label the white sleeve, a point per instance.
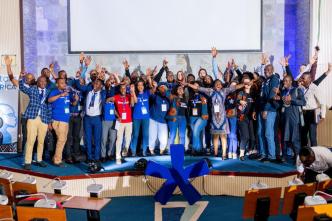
(326, 154)
(299, 165)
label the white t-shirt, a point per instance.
(323, 160)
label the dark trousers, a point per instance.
(93, 128)
(72, 147)
(24, 132)
(310, 126)
(277, 125)
(246, 132)
(310, 175)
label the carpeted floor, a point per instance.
(16, 161)
(142, 209)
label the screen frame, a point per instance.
(70, 51)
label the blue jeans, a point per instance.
(145, 135)
(93, 126)
(265, 134)
(180, 124)
(197, 126)
(232, 136)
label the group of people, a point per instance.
(231, 113)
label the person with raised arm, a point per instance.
(123, 103)
(314, 111)
(141, 115)
(245, 106)
(94, 100)
(38, 114)
(219, 124)
(29, 80)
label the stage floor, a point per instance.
(14, 162)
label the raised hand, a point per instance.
(98, 68)
(8, 60)
(214, 52)
(82, 57)
(148, 72)
(88, 60)
(165, 63)
(125, 64)
(283, 62)
(287, 59)
(264, 59)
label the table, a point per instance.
(92, 205)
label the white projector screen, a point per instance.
(122, 26)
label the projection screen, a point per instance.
(129, 26)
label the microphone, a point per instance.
(316, 199)
(42, 203)
(94, 189)
(6, 175)
(57, 186)
(259, 185)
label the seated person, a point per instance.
(313, 161)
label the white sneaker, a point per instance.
(124, 152)
(230, 155)
(118, 161)
(234, 156)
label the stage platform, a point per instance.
(227, 177)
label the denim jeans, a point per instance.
(179, 125)
(197, 126)
(265, 134)
(145, 135)
(232, 136)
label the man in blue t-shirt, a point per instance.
(60, 102)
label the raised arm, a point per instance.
(323, 76)
(8, 62)
(215, 68)
(23, 88)
(126, 67)
(158, 76)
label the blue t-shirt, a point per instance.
(60, 107)
(159, 108)
(109, 111)
(141, 108)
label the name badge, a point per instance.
(216, 108)
(111, 112)
(195, 112)
(124, 116)
(163, 107)
(79, 107)
(66, 110)
(184, 105)
(144, 110)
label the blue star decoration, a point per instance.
(177, 175)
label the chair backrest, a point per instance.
(29, 213)
(6, 212)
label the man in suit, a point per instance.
(38, 114)
(95, 98)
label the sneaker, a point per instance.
(230, 155)
(41, 164)
(118, 161)
(242, 158)
(27, 166)
(263, 159)
(124, 152)
(234, 156)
